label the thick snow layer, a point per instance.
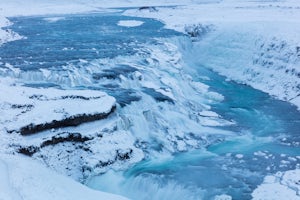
(130, 23)
(24, 109)
(265, 62)
(283, 185)
(35, 7)
(75, 151)
(23, 178)
(235, 11)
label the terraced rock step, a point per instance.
(74, 120)
(60, 138)
(30, 110)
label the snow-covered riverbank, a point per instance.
(255, 43)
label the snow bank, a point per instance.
(23, 178)
(283, 185)
(220, 12)
(33, 7)
(259, 59)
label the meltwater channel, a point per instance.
(265, 133)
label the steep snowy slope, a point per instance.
(23, 178)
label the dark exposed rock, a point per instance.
(61, 138)
(298, 51)
(28, 151)
(69, 121)
(65, 137)
(44, 98)
(38, 97)
(21, 106)
(198, 30)
(79, 97)
(120, 155)
(104, 164)
(25, 107)
(149, 8)
(123, 155)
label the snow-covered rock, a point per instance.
(30, 110)
(50, 125)
(7, 35)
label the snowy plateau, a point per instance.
(117, 99)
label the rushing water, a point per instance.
(266, 131)
(267, 142)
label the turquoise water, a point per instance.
(266, 130)
(267, 135)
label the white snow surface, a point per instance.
(37, 7)
(130, 23)
(282, 185)
(24, 178)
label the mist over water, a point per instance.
(152, 72)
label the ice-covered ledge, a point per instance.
(30, 110)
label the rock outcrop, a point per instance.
(31, 110)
